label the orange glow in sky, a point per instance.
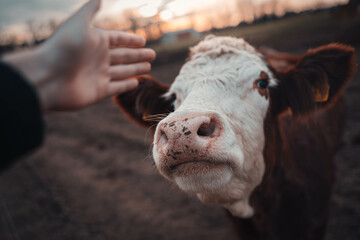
(181, 7)
(206, 14)
(170, 15)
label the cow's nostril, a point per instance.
(207, 129)
(163, 138)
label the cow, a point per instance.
(252, 138)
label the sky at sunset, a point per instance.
(15, 15)
(19, 11)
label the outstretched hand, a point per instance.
(80, 65)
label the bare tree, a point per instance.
(53, 25)
(132, 17)
(34, 28)
(274, 6)
(352, 7)
(246, 9)
(225, 16)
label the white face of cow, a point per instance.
(212, 144)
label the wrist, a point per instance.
(34, 64)
(31, 63)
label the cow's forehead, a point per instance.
(230, 61)
(216, 46)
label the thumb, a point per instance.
(88, 11)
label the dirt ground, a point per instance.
(94, 177)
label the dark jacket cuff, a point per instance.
(21, 122)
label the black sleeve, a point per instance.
(21, 122)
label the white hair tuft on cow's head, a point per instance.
(216, 46)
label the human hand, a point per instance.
(80, 65)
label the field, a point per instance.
(94, 177)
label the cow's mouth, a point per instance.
(194, 167)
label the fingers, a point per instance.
(131, 55)
(87, 12)
(125, 71)
(118, 38)
(118, 87)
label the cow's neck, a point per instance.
(264, 196)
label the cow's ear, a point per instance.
(318, 79)
(145, 105)
(280, 61)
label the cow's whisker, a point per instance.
(155, 117)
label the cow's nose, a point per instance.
(188, 134)
(207, 129)
(173, 128)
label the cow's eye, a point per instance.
(262, 84)
(172, 101)
(172, 97)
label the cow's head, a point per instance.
(210, 139)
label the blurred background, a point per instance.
(94, 177)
